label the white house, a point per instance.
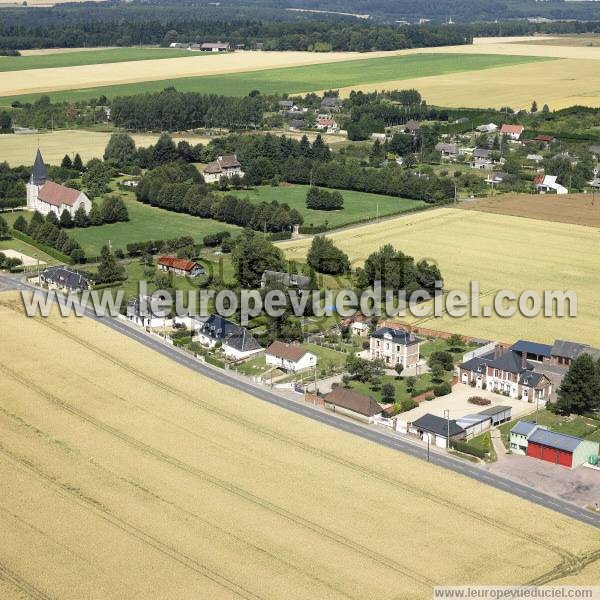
(45, 196)
(224, 166)
(395, 346)
(547, 184)
(139, 312)
(290, 357)
(236, 341)
(512, 132)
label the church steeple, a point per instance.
(39, 173)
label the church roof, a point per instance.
(55, 194)
(39, 173)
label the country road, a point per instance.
(382, 437)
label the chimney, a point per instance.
(524, 360)
(497, 351)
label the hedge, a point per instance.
(466, 449)
(47, 249)
(280, 235)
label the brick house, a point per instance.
(508, 373)
(395, 346)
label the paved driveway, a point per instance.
(580, 486)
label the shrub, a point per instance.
(442, 389)
(408, 404)
(479, 401)
(464, 447)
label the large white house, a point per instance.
(224, 166)
(45, 196)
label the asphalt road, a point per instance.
(373, 434)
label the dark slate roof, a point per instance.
(437, 425)
(523, 428)
(532, 348)
(39, 173)
(230, 334)
(354, 401)
(511, 362)
(566, 349)
(64, 277)
(399, 336)
(331, 101)
(495, 410)
(482, 153)
(552, 439)
(531, 378)
(478, 364)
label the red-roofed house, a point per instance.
(290, 357)
(327, 123)
(45, 196)
(180, 266)
(512, 131)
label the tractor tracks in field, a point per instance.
(67, 491)
(224, 485)
(21, 584)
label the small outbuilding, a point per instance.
(498, 414)
(353, 404)
(474, 424)
(436, 430)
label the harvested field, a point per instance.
(133, 477)
(499, 251)
(578, 40)
(19, 149)
(239, 73)
(576, 209)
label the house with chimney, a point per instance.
(394, 346)
(236, 341)
(506, 372)
(45, 196)
(225, 166)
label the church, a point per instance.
(45, 196)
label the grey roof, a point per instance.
(523, 428)
(482, 153)
(286, 103)
(437, 425)
(399, 336)
(495, 410)
(474, 419)
(566, 349)
(331, 101)
(286, 279)
(412, 125)
(230, 334)
(552, 439)
(447, 148)
(532, 348)
(531, 378)
(298, 123)
(511, 362)
(39, 173)
(478, 364)
(65, 278)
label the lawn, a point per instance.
(146, 223)
(497, 251)
(300, 79)
(358, 206)
(74, 59)
(24, 248)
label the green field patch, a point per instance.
(301, 79)
(358, 206)
(89, 57)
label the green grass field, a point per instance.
(357, 205)
(88, 57)
(301, 79)
(25, 248)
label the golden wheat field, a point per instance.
(19, 149)
(128, 476)
(501, 252)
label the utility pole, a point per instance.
(428, 438)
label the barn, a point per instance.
(558, 448)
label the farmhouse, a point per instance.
(509, 373)
(63, 279)
(539, 442)
(449, 151)
(327, 123)
(288, 280)
(224, 166)
(512, 131)
(237, 342)
(547, 183)
(482, 159)
(353, 404)
(45, 196)
(290, 357)
(395, 346)
(180, 266)
(331, 104)
(436, 430)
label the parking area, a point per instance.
(580, 486)
(458, 404)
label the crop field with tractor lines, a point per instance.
(120, 452)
